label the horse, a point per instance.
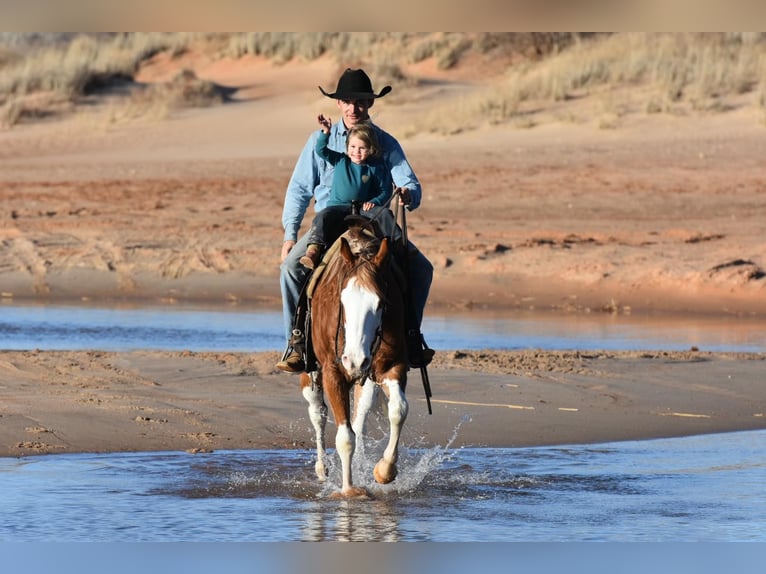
(358, 339)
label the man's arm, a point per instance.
(401, 172)
(300, 190)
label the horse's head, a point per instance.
(362, 297)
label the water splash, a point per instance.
(416, 464)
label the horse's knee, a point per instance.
(397, 413)
(345, 441)
(364, 399)
(317, 408)
(398, 407)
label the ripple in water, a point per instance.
(705, 488)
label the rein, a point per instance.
(401, 218)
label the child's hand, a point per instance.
(368, 205)
(324, 123)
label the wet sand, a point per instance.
(63, 402)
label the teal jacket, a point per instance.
(353, 182)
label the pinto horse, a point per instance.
(357, 316)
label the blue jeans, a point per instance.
(293, 275)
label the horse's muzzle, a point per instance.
(355, 367)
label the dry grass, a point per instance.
(159, 101)
(672, 72)
(627, 73)
(84, 64)
(760, 99)
(70, 70)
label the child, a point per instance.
(359, 176)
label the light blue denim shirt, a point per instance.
(312, 176)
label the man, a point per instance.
(312, 178)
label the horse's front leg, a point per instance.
(364, 399)
(312, 392)
(385, 470)
(338, 394)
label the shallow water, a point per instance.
(703, 488)
(48, 327)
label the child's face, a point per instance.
(358, 151)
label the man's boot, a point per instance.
(419, 354)
(292, 361)
(312, 257)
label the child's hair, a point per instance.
(365, 132)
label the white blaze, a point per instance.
(362, 314)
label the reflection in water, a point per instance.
(705, 488)
(351, 521)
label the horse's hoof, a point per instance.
(355, 493)
(384, 472)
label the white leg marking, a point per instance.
(344, 444)
(318, 416)
(364, 401)
(397, 414)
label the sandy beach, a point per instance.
(63, 402)
(662, 214)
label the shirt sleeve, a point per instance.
(332, 156)
(402, 174)
(300, 190)
(384, 186)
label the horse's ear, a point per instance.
(382, 252)
(345, 251)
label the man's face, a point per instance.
(354, 111)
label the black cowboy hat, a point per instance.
(355, 85)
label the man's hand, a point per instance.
(404, 195)
(287, 246)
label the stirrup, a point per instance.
(420, 349)
(293, 363)
(292, 359)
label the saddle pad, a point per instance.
(319, 269)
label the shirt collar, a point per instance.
(341, 129)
